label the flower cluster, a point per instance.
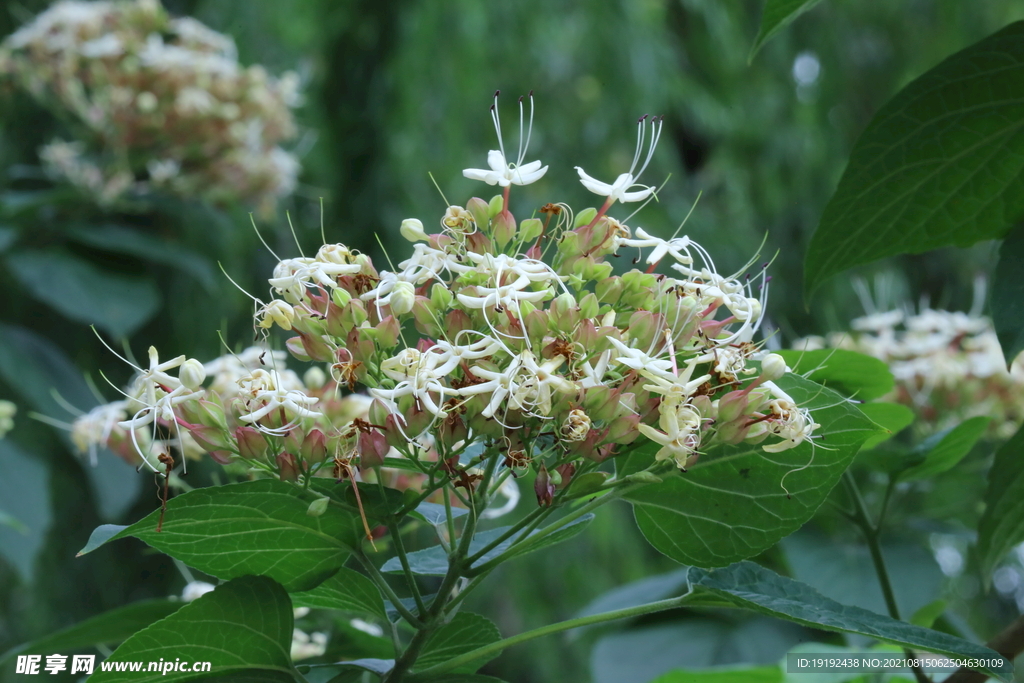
(517, 335)
(162, 103)
(948, 365)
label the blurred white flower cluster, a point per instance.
(948, 365)
(157, 104)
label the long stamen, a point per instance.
(639, 142)
(529, 131)
(656, 125)
(497, 123)
(522, 152)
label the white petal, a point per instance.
(593, 184)
(636, 196)
(489, 177)
(523, 176)
(496, 160)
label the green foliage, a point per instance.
(738, 501)
(777, 15)
(941, 452)
(1002, 525)
(253, 527)
(891, 417)
(109, 628)
(940, 164)
(464, 633)
(756, 588)
(243, 628)
(1008, 295)
(847, 372)
(760, 674)
(348, 591)
(434, 561)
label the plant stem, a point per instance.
(493, 648)
(389, 592)
(872, 531)
(400, 549)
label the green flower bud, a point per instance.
(412, 230)
(314, 378)
(318, 506)
(403, 294)
(584, 217)
(530, 229)
(440, 297)
(609, 290)
(340, 297)
(503, 227)
(496, 205)
(773, 366)
(192, 374)
(480, 210)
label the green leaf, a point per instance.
(455, 678)
(8, 236)
(757, 674)
(737, 501)
(942, 451)
(25, 492)
(646, 590)
(243, 628)
(433, 561)
(1008, 295)
(777, 15)
(756, 588)
(892, 418)
(927, 615)
(348, 591)
(123, 240)
(253, 527)
(36, 367)
(109, 628)
(1002, 524)
(464, 633)
(939, 165)
(848, 373)
(435, 514)
(117, 304)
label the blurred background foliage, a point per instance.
(393, 90)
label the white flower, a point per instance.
(619, 191)
(266, 394)
(501, 171)
(680, 431)
(309, 645)
(196, 589)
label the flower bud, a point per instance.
(609, 290)
(388, 332)
(456, 321)
(316, 348)
(286, 467)
(530, 229)
(503, 227)
(732, 406)
(298, 351)
(543, 487)
(314, 447)
(412, 230)
(773, 366)
(210, 438)
(584, 217)
(251, 444)
(480, 210)
(192, 374)
(623, 429)
(314, 378)
(279, 312)
(601, 402)
(318, 507)
(564, 314)
(211, 414)
(495, 206)
(589, 306)
(642, 327)
(340, 297)
(373, 447)
(403, 294)
(427, 320)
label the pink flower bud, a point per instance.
(373, 447)
(316, 348)
(732, 405)
(251, 444)
(286, 467)
(388, 331)
(543, 487)
(503, 227)
(622, 430)
(210, 438)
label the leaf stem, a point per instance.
(498, 646)
(388, 591)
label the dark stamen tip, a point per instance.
(531, 94)
(521, 98)
(497, 92)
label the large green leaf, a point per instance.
(777, 15)
(751, 586)
(37, 368)
(243, 629)
(464, 633)
(1002, 524)
(123, 240)
(433, 561)
(847, 372)
(118, 304)
(940, 164)
(1008, 295)
(25, 496)
(944, 450)
(758, 674)
(736, 501)
(253, 527)
(109, 628)
(891, 417)
(348, 591)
